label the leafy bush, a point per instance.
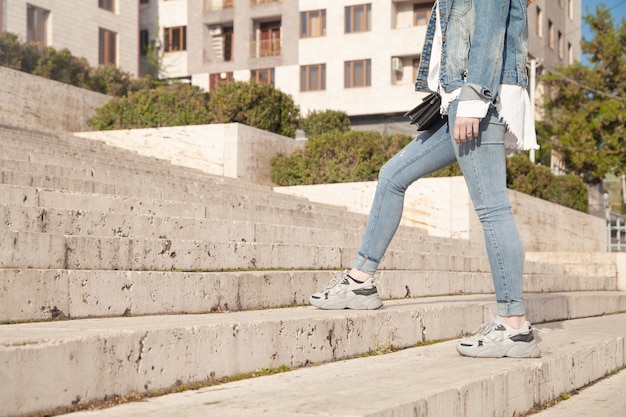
(318, 122)
(62, 66)
(255, 104)
(337, 156)
(537, 181)
(175, 105)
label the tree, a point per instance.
(586, 105)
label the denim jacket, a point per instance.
(485, 44)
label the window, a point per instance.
(570, 8)
(313, 77)
(144, 1)
(144, 41)
(269, 39)
(416, 64)
(227, 43)
(359, 18)
(550, 34)
(313, 24)
(539, 23)
(37, 24)
(570, 54)
(265, 76)
(560, 45)
(107, 47)
(107, 5)
(175, 39)
(421, 13)
(217, 78)
(357, 73)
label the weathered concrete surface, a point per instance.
(442, 207)
(431, 381)
(232, 150)
(94, 358)
(42, 294)
(603, 399)
(28, 100)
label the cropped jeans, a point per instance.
(483, 163)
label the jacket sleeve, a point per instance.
(485, 56)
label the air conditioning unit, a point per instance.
(215, 31)
(396, 64)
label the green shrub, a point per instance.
(337, 156)
(537, 181)
(255, 104)
(174, 105)
(318, 122)
(62, 66)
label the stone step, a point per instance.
(421, 381)
(55, 251)
(114, 224)
(94, 359)
(294, 212)
(48, 294)
(79, 293)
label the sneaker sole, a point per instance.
(372, 302)
(517, 350)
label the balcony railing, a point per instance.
(267, 47)
(264, 1)
(616, 232)
(218, 4)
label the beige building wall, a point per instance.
(393, 45)
(75, 24)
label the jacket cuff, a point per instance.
(471, 91)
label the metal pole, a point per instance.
(533, 84)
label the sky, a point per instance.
(617, 8)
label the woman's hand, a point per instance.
(465, 129)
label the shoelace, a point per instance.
(344, 277)
(486, 328)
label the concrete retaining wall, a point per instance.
(39, 103)
(230, 150)
(442, 207)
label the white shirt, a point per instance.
(514, 108)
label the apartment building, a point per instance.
(358, 56)
(352, 55)
(555, 32)
(102, 31)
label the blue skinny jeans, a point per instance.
(483, 163)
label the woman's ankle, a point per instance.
(359, 275)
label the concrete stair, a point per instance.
(125, 274)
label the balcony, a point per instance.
(265, 47)
(218, 4)
(253, 2)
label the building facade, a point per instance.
(350, 55)
(102, 31)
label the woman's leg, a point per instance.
(483, 162)
(427, 153)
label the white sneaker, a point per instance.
(498, 340)
(344, 292)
